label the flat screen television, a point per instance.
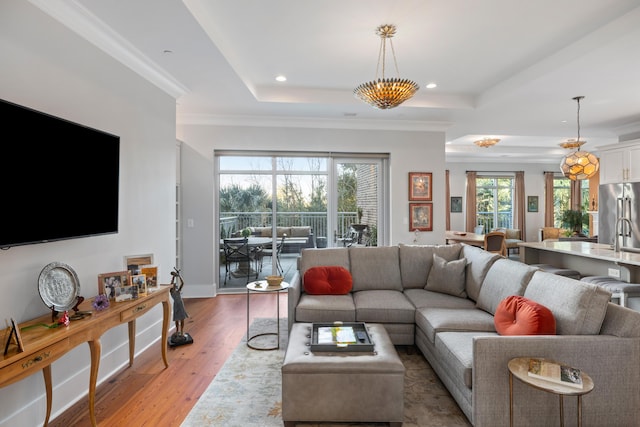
(60, 179)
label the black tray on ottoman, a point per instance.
(340, 336)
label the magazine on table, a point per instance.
(336, 335)
(555, 372)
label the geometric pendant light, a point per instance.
(578, 164)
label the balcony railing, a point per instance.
(486, 219)
(231, 222)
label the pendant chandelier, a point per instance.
(578, 164)
(385, 93)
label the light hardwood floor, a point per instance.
(149, 395)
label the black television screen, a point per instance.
(60, 178)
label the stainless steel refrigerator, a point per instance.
(619, 201)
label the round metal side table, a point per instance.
(261, 286)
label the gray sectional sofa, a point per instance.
(448, 315)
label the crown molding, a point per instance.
(78, 19)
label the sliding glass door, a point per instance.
(287, 202)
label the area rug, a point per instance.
(247, 392)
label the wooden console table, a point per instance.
(43, 346)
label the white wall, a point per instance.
(409, 151)
(46, 67)
(533, 184)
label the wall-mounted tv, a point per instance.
(60, 179)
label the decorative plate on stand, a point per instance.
(58, 286)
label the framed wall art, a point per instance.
(134, 262)
(421, 216)
(456, 204)
(109, 282)
(420, 186)
(532, 203)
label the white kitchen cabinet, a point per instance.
(620, 163)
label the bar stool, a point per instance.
(567, 272)
(619, 289)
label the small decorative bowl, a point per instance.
(274, 281)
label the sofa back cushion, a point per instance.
(327, 280)
(303, 231)
(375, 268)
(578, 307)
(323, 257)
(479, 262)
(416, 262)
(281, 231)
(504, 278)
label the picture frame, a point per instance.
(139, 280)
(14, 337)
(532, 203)
(134, 262)
(109, 282)
(151, 274)
(126, 293)
(421, 216)
(420, 185)
(456, 204)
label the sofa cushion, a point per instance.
(416, 262)
(304, 231)
(383, 306)
(435, 320)
(327, 280)
(312, 257)
(518, 315)
(505, 277)
(447, 276)
(578, 307)
(281, 231)
(422, 298)
(455, 352)
(479, 262)
(375, 268)
(325, 308)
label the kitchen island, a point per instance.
(590, 259)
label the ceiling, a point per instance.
(504, 68)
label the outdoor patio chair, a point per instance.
(268, 251)
(237, 251)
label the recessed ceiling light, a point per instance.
(431, 85)
(281, 78)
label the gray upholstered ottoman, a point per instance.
(342, 387)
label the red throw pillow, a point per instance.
(327, 280)
(518, 315)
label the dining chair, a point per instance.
(268, 251)
(237, 251)
(495, 242)
(478, 229)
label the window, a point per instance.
(561, 198)
(494, 201)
